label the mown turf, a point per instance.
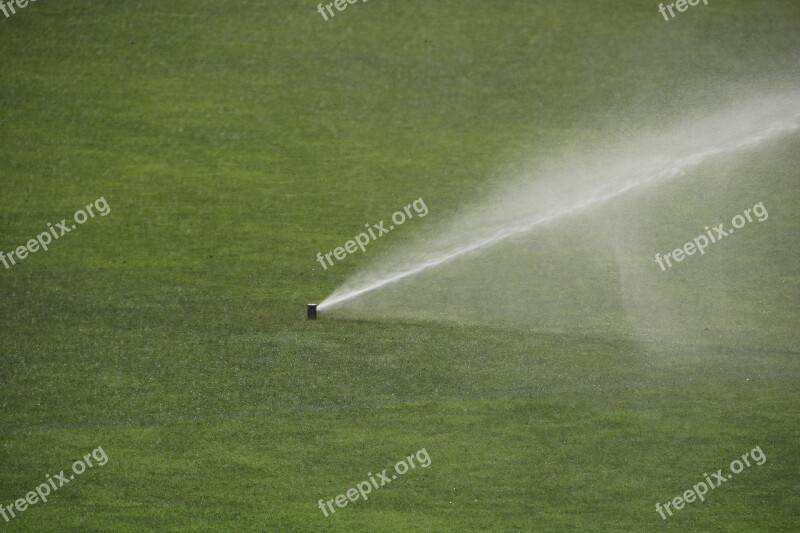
(234, 140)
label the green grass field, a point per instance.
(234, 140)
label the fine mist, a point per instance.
(570, 238)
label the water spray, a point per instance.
(743, 128)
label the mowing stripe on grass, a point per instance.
(488, 395)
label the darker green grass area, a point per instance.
(503, 463)
(233, 141)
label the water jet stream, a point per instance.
(759, 127)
